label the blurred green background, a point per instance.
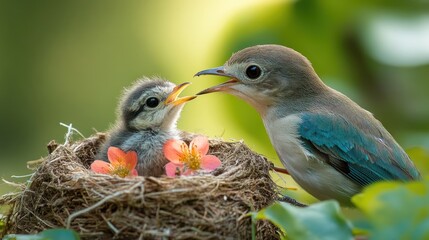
(68, 61)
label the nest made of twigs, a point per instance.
(64, 193)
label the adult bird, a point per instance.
(147, 116)
(330, 146)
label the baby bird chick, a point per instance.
(147, 117)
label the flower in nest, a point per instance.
(184, 159)
(121, 164)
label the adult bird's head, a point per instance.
(152, 104)
(264, 75)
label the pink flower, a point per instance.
(121, 164)
(185, 160)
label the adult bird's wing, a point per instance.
(363, 155)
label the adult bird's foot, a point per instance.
(291, 201)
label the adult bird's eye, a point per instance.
(152, 102)
(253, 72)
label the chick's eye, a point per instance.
(253, 72)
(152, 102)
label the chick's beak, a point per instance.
(172, 97)
(218, 71)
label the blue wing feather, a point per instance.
(363, 155)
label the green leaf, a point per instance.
(319, 221)
(396, 210)
(64, 234)
(50, 234)
(24, 237)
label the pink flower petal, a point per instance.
(99, 166)
(202, 144)
(134, 173)
(173, 150)
(171, 168)
(116, 155)
(131, 159)
(210, 162)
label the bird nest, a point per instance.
(64, 193)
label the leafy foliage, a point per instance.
(50, 234)
(319, 221)
(392, 210)
(396, 210)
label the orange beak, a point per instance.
(173, 99)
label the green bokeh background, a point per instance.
(68, 61)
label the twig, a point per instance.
(99, 203)
(41, 220)
(280, 170)
(22, 176)
(19, 185)
(280, 177)
(70, 130)
(111, 226)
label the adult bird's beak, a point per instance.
(218, 71)
(172, 97)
